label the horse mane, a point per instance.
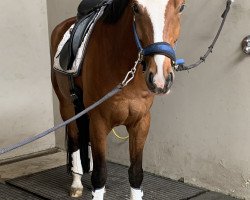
(114, 11)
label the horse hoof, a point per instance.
(76, 192)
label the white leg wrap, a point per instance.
(136, 194)
(91, 159)
(76, 163)
(98, 194)
(77, 183)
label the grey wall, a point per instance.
(58, 11)
(26, 105)
(201, 131)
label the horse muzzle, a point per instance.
(159, 86)
(155, 84)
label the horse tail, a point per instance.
(83, 135)
(83, 127)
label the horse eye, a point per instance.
(182, 8)
(136, 9)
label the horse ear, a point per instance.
(114, 11)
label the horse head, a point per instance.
(156, 29)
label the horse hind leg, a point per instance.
(82, 161)
(73, 150)
(76, 189)
(137, 137)
(67, 109)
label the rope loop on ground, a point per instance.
(118, 135)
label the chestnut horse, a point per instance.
(111, 53)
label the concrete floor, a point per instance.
(30, 166)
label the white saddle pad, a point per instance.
(77, 64)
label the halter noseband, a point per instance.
(161, 48)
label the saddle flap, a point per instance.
(66, 57)
(72, 48)
(79, 31)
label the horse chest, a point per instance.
(129, 110)
(137, 108)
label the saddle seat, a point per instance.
(87, 6)
(89, 11)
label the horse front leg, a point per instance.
(98, 137)
(137, 137)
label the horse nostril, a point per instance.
(171, 76)
(170, 79)
(151, 78)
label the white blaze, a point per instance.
(156, 10)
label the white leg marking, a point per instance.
(76, 189)
(77, 182)
(76, 163)
(136, 194)
(91, 159)
(98, 194)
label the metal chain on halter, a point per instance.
(131, 74)
(210, 48)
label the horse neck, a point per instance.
(121, 42)
(111, 54)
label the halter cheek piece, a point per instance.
(158, 48)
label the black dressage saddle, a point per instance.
(86, 15)
(88, 6)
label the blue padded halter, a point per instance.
(162, 48)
